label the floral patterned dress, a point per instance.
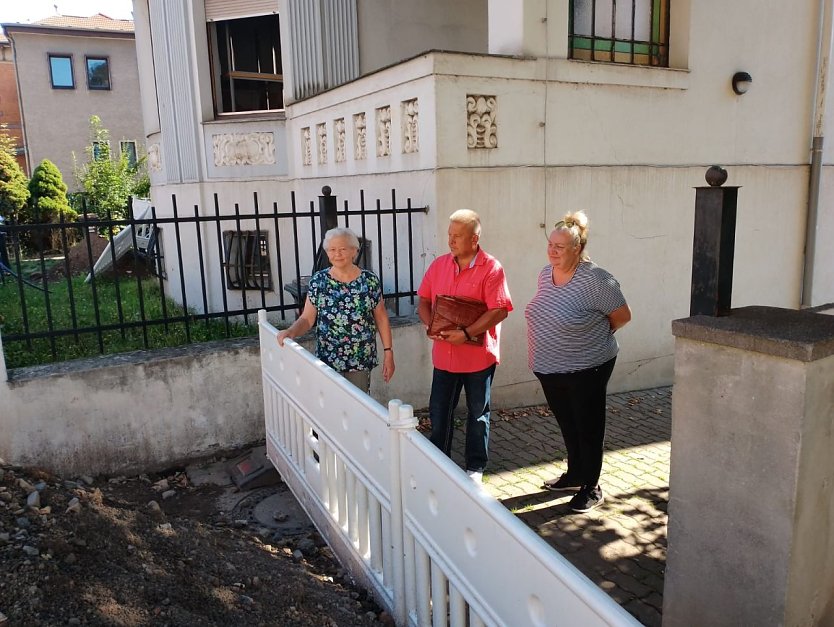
(345, 325)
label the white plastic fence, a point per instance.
(407, 522)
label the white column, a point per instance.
(529, 28)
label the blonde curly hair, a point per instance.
(576, 224)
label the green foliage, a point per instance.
(78, 301)
(107, 179)
(14, 190)
(48, 196)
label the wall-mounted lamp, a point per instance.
(741, 82)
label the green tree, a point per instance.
(108, 180)
(14, 190)
(48, 195)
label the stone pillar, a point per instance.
(751, 510)
(529, 28)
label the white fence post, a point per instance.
(400, 420)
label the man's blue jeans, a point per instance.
(445, 394)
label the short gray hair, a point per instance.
(341, 232)
(469, 218)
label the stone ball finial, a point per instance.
(716, 176)
(326, 191)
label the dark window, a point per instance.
(246, 59)
(628, 31)
(98, 73)
(128, 149)
(247, 260)
(60, 71)
(101, 150)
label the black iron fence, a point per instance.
(165, 276)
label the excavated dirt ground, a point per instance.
(160, 550)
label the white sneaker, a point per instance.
(476, 476)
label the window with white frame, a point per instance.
(634, 32)
(246, 64)
(128, 149)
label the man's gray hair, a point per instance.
(469, 218)
(349, 235)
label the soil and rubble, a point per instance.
(156, 550)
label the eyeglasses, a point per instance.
(341, 251)
(568, 224)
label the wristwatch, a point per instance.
(466, 333)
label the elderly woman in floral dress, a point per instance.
(345, 304)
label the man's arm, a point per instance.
(488, 319)
(424, 311)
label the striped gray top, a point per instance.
(567, 326)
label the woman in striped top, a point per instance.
(571, 349)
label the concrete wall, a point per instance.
(392, 30)
(119, 108)
(147, 410)
(751, 475)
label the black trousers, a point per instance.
(577, 399)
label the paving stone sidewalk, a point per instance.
(622, 545)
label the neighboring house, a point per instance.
(9, 105)
(533, 109)
(68, 69)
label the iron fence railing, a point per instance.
(185, 270)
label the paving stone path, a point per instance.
(622, 545)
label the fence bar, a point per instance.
(278, 260)
(139, 289)
(223, 287)
(46, 302)
(68, 272)
(379, 238)
(159, 273)
(182, 271)
(113, 261)
(93, 286)
(297, 261)
(241, 264)
(260, 256)
(198, 231)
(410, 253)
(396, 248)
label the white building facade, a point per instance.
(531, 110)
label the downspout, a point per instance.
(817, 141)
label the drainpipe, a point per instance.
(817, 141)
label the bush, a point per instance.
(14, 190)
(48, 196)
(108, 181)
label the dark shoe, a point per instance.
(561, 484)
(586, 500)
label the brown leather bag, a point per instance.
(454, 313)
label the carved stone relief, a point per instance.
(481, 129)
(306, 149)
(154, 158)
(383, 131)
(360, 150)
(411, 134)
(321, 142)
(243, 149)
(339, 130)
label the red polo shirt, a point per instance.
(484, 279)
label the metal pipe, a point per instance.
(818, 139)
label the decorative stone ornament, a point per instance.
(360, 150)
(243, 149)
(306, 148)
(383, 131)
(339, 129)
(154, 158)
(411, 134)
(321, 143)
(716, 176)
(481, 129)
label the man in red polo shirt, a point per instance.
(466, 271)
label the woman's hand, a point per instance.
(388, 366)
(283, 335)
